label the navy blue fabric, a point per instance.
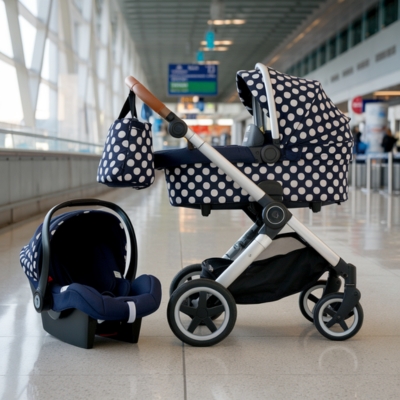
(145, 292)
(88, 250)
(174, 158)
(127, 159)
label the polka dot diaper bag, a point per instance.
(128, 159)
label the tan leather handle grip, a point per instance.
(147, 97)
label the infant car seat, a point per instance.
(81, 266)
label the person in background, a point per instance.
(359, 146)
(388, 140)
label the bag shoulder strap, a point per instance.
(130, 105)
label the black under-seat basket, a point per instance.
(289, 267)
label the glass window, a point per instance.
(390, 11)
(306, 68)
(372, 22)
(43, 103)
(28, 35)
(10, 105)
(357, 32)
(332, 48)
(343, 41)
(5, 41)
(322, 55)
(31, 5)
(313, 61)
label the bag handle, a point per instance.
(130, 105)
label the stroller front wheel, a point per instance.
(326, 310)
(192, 307)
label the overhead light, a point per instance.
(218, 42)
(387, 93)
(226, 22)
(209, 62)
(219, 48)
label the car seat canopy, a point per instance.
(87, 247)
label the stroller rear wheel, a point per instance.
(309, 297)
(192, 307)
(186, 274)
(326, 309)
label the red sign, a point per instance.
(357, 105)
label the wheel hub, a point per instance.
(202, 313)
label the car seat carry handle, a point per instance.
(40, 297)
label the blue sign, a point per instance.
(192, 79)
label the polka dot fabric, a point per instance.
(315, 140)
(31, 254)
(305, 114)
(128, 159)
(313, 181)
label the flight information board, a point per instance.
(192, 79)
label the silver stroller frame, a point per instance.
(329, 311)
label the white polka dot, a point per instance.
(121, 157)
(128, 177)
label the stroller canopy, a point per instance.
(310, 125)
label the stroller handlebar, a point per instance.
(147, 97)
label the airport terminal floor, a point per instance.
(273, 352)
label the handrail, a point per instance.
(38, 136)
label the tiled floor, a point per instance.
(272, 353)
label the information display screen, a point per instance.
(192, 79)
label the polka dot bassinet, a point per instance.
(312, 136)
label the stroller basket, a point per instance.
(315, 144)
(271, 279)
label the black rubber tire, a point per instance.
(185, 275)
(326, 308)
(192, 320)
(307, 296)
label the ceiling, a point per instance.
(170, 31)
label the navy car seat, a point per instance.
(81, 266)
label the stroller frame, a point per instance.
(274, 217)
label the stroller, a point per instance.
(301, 162)
(81, 267)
